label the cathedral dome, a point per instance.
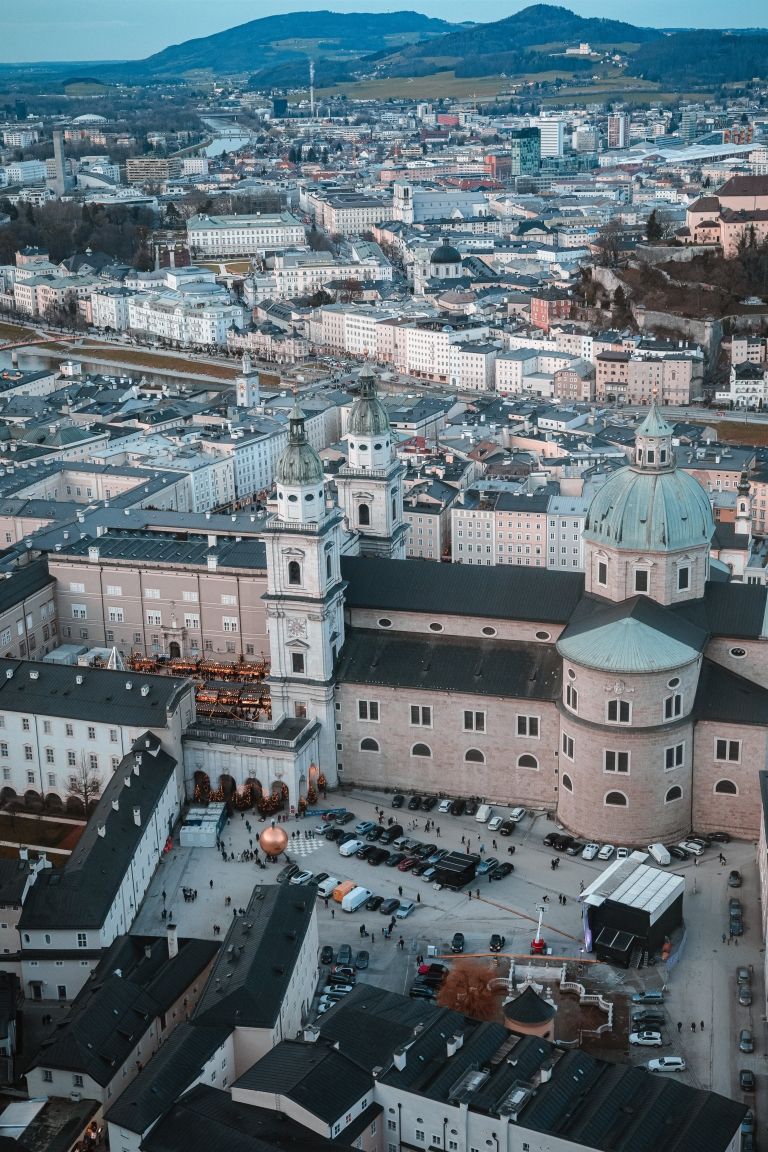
(367, 416)
(445, 254)
(299, 465)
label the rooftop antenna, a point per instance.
(312, 89)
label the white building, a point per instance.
(26, 172)
(20, 137)
(303, 273)
(185, 320)
(109, 308)
(552, 135)
(244, 235)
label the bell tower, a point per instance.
(370, 484)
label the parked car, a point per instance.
(678, 852)
(444, 806)
(422, 992)
(361, 960)
(487, 865)
(375, 834)
(378, 856)
(389, 906)
(746, 1080)
(398, 800)
(301, 877)
(736, 926)
(575, 849)
(458, 806)
(344, 955)
(326, 954)
(336, 988)
(395, 858)
(734, 879)
(507, 827)
(433, 970)
(694, 847)
(326, 1004)
(406, 864)
(745, 995)
(428, 803)
(346, 818)
(364, 826)
(517, 814)
(373, 903)
(667, 1064)
(420, 868)
(342, 974)
(606, 852)
(437, 856)
(648, 997)
(734, 906)
(495, 823)
(718, 837)
(424, 850)
(364, 851)
(470, 807)
(320, 876)
(457, 943)
(405, 909)
(622, 853)
(429, 875)
(414, 803)
(350, 847)
(647, 1018)
(646, 1039)
(286, 874)
(748, 1124)
(746, 1043)
(589, 851)
(549, 839)
(334, 833)
(562, 843)
(503, 870)
(497, 942)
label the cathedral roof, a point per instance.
(367, 416)
(643, 511)
(445, 254)
(637, 635)
(299, 465)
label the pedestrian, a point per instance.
(565, 901)
(326, 903)
(693, 1025)
(545, 898)
(735, 941)
(401, 944)
(163, 895)
(418, 897)
(373, 937)
(400, 890)
(724, 860)
(494, 843)
(679, 1027)
(701, 1026)
(724, 937)
(462, 839)
(469, 894)
(211, 883)
(477, 894)
(437, 831)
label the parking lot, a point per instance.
(702, 987)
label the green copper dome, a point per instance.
(367, 416)
(299, 465)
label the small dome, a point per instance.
(529, 1009)
(367, 416)
(650, 512)
(445, 254)
(299, 465)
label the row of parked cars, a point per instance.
(459, 807)
(663, 854)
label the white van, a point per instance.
(325, 889)
(660, 854)
(350, 848)
(355, 899)
(484, 814)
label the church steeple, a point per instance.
(653, 443)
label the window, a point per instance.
(191, 620)
(297, 661)
(152, 593)
(114, 590)
(228, 601)
(69, 729)
(674, 757)
(155, 619)
(738, 653)
(602, 573)
(568, 746)
(25, 724)
(369, 745)
(189, 597)
(474, 721)
(115, 615)
(567, 782)
(229, 623)
(391, 1126)
(674, 793)
(77, 1080)
(76, 587)
(616, 761)
(474, 756)
(363, 515)
(572, 697)
(79, 612)
(619, 712)
(683, 579)
(421, 717)
(673, 706)
(419, 1133)
(71, 759)
(47, 1076)
(113, 735)
(729, 750)
(617, 799)
(28, 752)
(49, 756)
(641, 580)
(294, 572)
(82, 940)
(93, 762)
(421, 750)
(528, 761)
(51, 779)
(435, 627)
(91, 732)
(368, 710)
(385, 623)
(528, 726)
(30, 777)
(4, 749)
(726, 788)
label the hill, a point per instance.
(261, 46)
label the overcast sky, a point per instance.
(125, 29)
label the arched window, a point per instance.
(618, 799)
(328, 569)
(394, 508)
(363, 515)
(673, 794)
(294, 572)
(421, 750)
(726, 788)
(474, 756)
(369, 745)
(527, 761)
(567, 782)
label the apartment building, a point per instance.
(152, 169)
(28, 626)
(348, 213)
(427, 512)
(500, 528)
(631, 378)
(302, 274)
(618, 130)
(184, 321)
(565, 546)
(244, 235)
(109, 308)
(157, 595)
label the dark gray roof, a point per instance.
(314, 1076)
(529, 1008)
(371, 1022)
(594, 612)
(176, 1065)
(724, 696)
(114, 1009)
(728, 609)
(500, 591)
(249, 980)
(155, 548)
(450, 664)
(80, 894)
(24, 582)
(207, 1119)
(100, 697)
(13, 879)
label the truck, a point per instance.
(456, 869)
(355, 899)
(341, 890)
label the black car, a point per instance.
(375, 834)
(470, 808)
(497, 942)
(287, 873)
(678, 853)
(374, 902)
(457, 944)
(563, 843)
(428, 803)
(458, 806)
(345, 837)
(425, 850)
(334, 833)
(398, 800)
(364, 852)
(549, 839)
(503, 870)
(344, 955)
(389, 907)
(646, 1018)
(361, 960)
(318, 879)
(343, 976)
(576, 848)
(326, 954)
(736, 926)
(414, 803)
(395, 858)
(420, 868)
(718, 838)
(507, 828)
(346, 818)
(747, 1080)
(420, 991)
(378, 856)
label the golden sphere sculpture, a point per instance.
(273, 840)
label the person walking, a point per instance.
(724, 937)
(693, 1025)
(401, 944)
(679, 1027)
(477, 894)
(211, 883)
(400, 890)
(701, 1026)
(418, 897)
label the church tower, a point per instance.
(370, 484)
(304, 597)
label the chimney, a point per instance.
(173, 941)
(116, 805)
(127, 781)
(137, 817)
(213, 563)
(101, 830)
(93, 554)
(454, 1043)
(545, 1073)
(148, 951)
(398, 1058)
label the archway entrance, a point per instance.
(174, 650)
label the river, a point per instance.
(231, 137)
(33, 361)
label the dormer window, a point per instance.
(651, 456)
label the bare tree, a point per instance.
(608, 243)
(466, 990)
(84, 784)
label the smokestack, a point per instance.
(59, 180)
(173, 941)
(312, 89)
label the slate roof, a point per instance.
(314, 1076)
(726, 609)
(636, 635)
(101, 697)
(260, 951)
(14, 875)
(723, 695)
(80, 894)
(112, 1012)
(207, 1118)
(500, 591)
(24, 582)
(169, 1073)
(450, 664)
(371, 1022)
(529, 1008)
(152, 547)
